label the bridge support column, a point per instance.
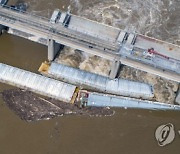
(2, 29)
(178, 96)
(53, 49)
(114, 69)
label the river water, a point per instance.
(128, 131)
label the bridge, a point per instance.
(120, 47)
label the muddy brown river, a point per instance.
(128, 131)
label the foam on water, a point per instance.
(157, 18)
(84, 61)
(152, 17)
(71, 57)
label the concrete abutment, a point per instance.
(3, 29)
(114, 69)
(178, 96)
(53, 49)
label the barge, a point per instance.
(72, 94)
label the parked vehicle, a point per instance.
(55, 16)
(3, 2)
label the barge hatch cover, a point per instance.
(37, 83)
(100, 83)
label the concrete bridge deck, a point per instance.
(97, 39)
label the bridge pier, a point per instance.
(178, 96)
(2, 29)
(114, 69)
(53, 49)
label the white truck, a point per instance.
(55, 16)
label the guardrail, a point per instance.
(43, 22)
(17, 18)
(24, 12)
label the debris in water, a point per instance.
(70, 57)
(96, 65)
(31, 107)
(164, 90)
(84, 61)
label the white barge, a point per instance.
(71, 94)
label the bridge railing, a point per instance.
(44, 24)
(24, 12)
(30, 21)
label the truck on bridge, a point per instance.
(3, 2)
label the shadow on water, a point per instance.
(21, 53)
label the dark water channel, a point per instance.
(128, 131)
